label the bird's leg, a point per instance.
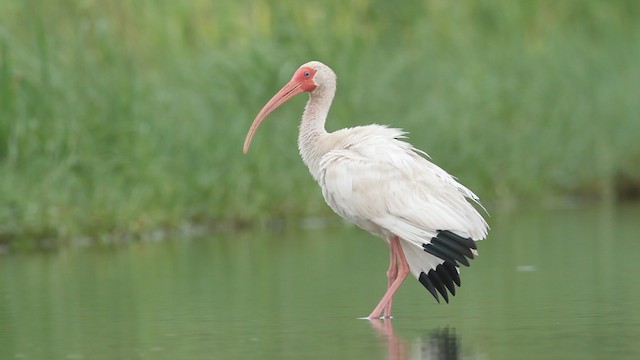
(403, 271)
(392, 274)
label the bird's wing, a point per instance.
(384, 179)
(387, 187)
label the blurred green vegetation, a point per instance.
(124, 117)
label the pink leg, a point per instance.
(392, 274)
(402, 272)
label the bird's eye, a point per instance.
(307, 74)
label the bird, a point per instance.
(372, 177)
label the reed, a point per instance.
(123, 117)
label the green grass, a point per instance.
(124, 117)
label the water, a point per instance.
(547, 284)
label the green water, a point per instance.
(547, 284)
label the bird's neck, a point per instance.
(312, 131)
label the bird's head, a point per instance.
(310, 77)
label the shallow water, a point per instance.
(547, 284)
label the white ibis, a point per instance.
(373, 178)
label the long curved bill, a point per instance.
(287, 92)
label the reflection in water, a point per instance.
(396, 346)
(441, 343)
(197, 298)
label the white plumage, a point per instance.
(373, 178)
(385, 186)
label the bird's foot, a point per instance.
(378, 317)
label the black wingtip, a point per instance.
(437, 282)
(468, 242)
(444, 277)
(453, 250)
(453, 271)
(424, 280)
(447, 280)
(451, 247)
